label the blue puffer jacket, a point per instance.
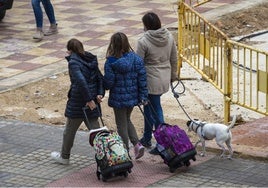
(86, 83)
(125, 77)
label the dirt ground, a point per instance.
(244, 22)
(44, 101)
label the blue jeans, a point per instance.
(38, 13)
(153, 116)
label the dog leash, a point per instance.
(177, 94)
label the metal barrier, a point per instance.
(196, 3)
(250, 77)
(238, 71)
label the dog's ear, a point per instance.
(188, 123)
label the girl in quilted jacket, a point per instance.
(125, 77)
(86, 90)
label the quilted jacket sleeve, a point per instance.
(109, 76)
(80, 81)
(142, 82)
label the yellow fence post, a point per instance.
(180, 34)
(228, 81)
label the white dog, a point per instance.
(209, 131)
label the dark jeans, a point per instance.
(153, 116)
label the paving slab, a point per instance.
(25, 147)
(25, 162)
(24, 60)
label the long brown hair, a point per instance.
(75, 46)
(118, 45)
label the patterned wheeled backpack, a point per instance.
(110, 149)
(174, 146)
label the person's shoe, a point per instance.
(146, 144)
(138, 150)
(56, 156)
(38, 34)
(154, 151)
(53, 29)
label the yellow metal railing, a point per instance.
(238, 71)
(196, 3)
(250, 77)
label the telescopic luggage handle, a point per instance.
(145, 117)
(85, 108)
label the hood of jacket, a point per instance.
(89, 60)
(158, 37)
(123, 64)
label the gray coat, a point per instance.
(159, 51)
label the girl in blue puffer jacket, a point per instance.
(125, 77)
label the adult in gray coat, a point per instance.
(158, 49)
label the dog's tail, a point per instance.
(232, 123)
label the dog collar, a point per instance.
(198, 125)
(192, 127)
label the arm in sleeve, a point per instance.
(80, 80)
(101, 89)
(174, 61)
(142, 80)
(141, 49)
(109, 76)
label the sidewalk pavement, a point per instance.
(25, 147)
(25, 162)
(22, 60)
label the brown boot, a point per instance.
(39, 34)
(53, 29)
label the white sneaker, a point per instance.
(38, 34)
(53, 29)
(56, 156)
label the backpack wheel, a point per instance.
(104, 179)
(172, 170)
(187, 163)
(98, 175)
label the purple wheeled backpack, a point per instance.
(174, 146)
